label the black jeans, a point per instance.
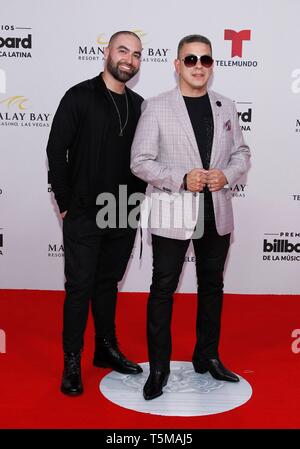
(168, 257)
(95, 261)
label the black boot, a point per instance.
(71, 381)
(156, 381)
(216, 369)
(108, 355)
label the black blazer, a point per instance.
(78, 130)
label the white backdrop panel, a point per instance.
(66, 39)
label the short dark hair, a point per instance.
(193, 38)
(118, 33)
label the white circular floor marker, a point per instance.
(186, 394)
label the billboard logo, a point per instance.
(282, 248)
(18, 46)
(16, 42)
(245, 115)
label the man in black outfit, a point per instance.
(89, 154)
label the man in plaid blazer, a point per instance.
(189, 148)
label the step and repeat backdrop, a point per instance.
(48, 46)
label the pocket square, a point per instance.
(227, 125)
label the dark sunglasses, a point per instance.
(191, 60)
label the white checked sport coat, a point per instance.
(165, 148)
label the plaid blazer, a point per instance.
(165, 148)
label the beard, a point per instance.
(117, 73)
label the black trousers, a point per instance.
(168, 257)
(95, 261)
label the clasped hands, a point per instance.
(198, 178)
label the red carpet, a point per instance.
(256, 343)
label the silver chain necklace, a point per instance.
(118, 112)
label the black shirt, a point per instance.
(114, 174)
(200, 113)
(114, 160)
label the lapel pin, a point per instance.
(218, 103)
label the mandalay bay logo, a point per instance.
(95, 52)
(16, 111)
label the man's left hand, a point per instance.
(216, 180)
